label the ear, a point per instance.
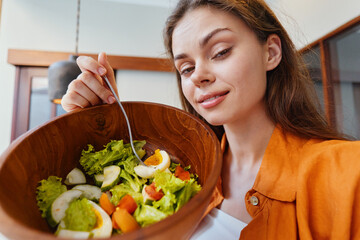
(274, 52)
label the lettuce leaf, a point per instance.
(184, 195)
(128, 175)
(177, 192)
(115, 151)
(166, 204)
(146, 215)
(47, 191)
(121, 190)
(168, 182)
(138, 145)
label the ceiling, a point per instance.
(158, 3)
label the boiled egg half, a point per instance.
(102, 229)
(160, 160)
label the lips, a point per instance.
(211, 97)
(208, 101)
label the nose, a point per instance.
(202, 75)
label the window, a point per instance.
(312, 60)
(344, 50)
(334, 65)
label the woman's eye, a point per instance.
(186, 70)
(221, 53)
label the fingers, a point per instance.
(98, 68)
(102, 59)
(86, 91)
(89, 89)
(88, 64)
(72, 100)
(79, 95)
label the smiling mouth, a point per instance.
(213, 98)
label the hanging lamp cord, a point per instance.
(77, 28)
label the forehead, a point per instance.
(200, 21)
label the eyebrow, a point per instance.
(207, 38)
(203, 41)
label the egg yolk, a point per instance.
(155, 159)
(99, 221)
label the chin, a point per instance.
(212, 118)
(214, 121)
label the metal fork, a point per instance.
(126, 118)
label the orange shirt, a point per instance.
(305, 189)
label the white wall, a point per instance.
(309, 20)
(125, 29)
(110, 26)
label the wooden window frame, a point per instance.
(328, 76)
(30, 63)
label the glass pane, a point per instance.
(59, 110)
(40, 105)
(345, 75)
(312, 61)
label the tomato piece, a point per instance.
(182, 173)
(128, 203)
(153, 194)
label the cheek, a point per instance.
(187, 91)
(250, 75)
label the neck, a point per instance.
(247, 140)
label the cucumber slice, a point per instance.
(75, 176)
(111, 177)
(64, 233)
(49, 218)
(61, 203)
(89, 191)
(98, 179)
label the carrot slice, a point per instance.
(153, 194)
(182, 174)
(105, 204)
(114, 224)
(124, 220)
(128, 203)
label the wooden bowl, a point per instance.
(55, 148)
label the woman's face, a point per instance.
(222, 65)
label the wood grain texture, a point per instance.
(55, 148)
(36, 58)
(328, 83)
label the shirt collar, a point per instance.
(278, 172)
(277, 175)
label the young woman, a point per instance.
(286, 173)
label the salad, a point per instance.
(113, 194)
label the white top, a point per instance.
(218, 225)
(2, 237)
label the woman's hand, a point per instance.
(89, 89)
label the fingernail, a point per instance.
(111, 99)
(101, 70)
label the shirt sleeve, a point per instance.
(328, 191)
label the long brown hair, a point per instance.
(290, 97)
